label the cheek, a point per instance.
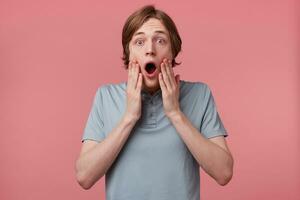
(133, 53)
(167, 52)
(170, 52)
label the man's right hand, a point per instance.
(133, 91)
(96, 158)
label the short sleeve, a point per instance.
(94, 129)
(211, 125)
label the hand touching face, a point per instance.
(150, 43)
(133, 91)
(170, 86)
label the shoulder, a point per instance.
(194, 84)
(197, 88)
(111, 88)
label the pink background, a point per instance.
(55, 54)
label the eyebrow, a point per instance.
(142, 33)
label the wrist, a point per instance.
(130, 119)
(175, 116)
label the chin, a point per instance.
(151, 84)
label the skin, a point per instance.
(151, 42)
(211, 154)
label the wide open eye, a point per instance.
(139, 42)
(150, 68)
(161, 41)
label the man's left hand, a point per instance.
(169, 85)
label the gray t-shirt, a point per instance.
(154, 163)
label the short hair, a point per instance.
(138, 18)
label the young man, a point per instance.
(150, 135)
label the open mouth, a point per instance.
(150, 68)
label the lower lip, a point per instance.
(152, 75)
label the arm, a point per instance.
(211, 154)
(95, 160)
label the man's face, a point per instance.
(150, 44)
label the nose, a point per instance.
(150, 49)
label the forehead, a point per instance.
(152, 26)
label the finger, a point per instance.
(131, 83)
(129, 74)
(171, 68)
(170, 73)
(161, 83)
(139, 83)
(136, 74)
(165, 76)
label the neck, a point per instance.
(151, 91)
